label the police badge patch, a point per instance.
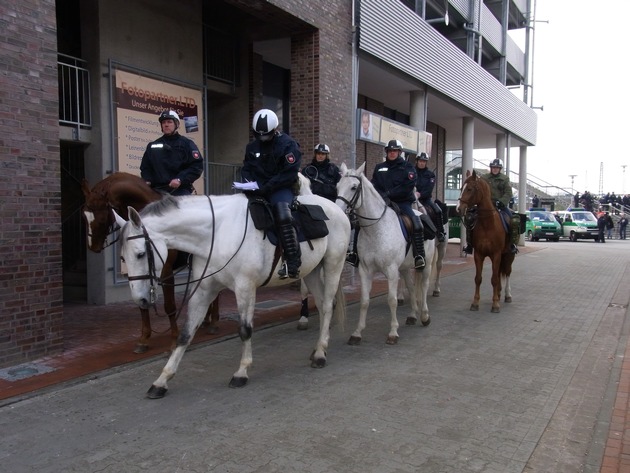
(411, 176)
(196, 154)
(290, 158)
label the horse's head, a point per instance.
(475, 191)
(349, 187)
(98, 217)
(144, 257)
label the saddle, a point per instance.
(406, 224)
(470, 219)
(309, 220)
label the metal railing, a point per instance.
(221, 176)
(75, 108)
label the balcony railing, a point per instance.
(74, 92)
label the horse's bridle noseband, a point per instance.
(111, 229)
(152, 274)
(350, 204)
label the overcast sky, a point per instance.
(579, 79)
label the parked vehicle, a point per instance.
(541, 223)
(578, 224)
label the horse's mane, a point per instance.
(159, 207)
(305, 184)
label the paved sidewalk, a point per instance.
(541, 387)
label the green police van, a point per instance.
(578, 224)
(541, 223)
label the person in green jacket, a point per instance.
(501, 194)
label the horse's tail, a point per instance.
(339, 309)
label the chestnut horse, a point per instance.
(120, 191)
(489, 239)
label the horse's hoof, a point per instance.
(155, 392)
(354, 340)
(426, 322)
(318, 363)
(411, 321)
(238, 382)
(140, 349)
(302, 326)
(495, 310)
(391, 340)
(436, 293)
(508, 299)
(474, 307)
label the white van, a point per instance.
(578, 224)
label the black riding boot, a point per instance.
(288, 241)
(417, 243)
(441, 234)
(468, 249)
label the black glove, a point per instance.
(499, 205)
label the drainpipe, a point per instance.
(355, 83)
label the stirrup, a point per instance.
(419, 263)
(352, 259)
(513, 248)
(468, 249)
(284, 272)
(441, 237)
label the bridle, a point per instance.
(350, 205)
(112, 228)
(152, 273)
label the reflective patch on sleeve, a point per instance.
(157, 145)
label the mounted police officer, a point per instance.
(395, 180)
(272, 160)
(172, 162)
(501, 194)
(425, 182)
(323, 174)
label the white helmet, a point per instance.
(264, 123)
(322, 148)
(497, 163)
(169, 115)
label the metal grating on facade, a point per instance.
(427, 56)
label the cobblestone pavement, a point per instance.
(541, 387)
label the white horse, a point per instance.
(382, 247)
(229, 253)
(436, 264)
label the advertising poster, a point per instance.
(138, 101)
(377, 129)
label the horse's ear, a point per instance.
(85, 187)
(119, 220)
(343, 169)
(361, 169)
(134, 216)
(468, 173)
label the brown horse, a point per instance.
(489, 239)
(117, 192)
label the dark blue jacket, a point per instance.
(273, 164)
(395, 180)
(171, 157)
(425, 182)
(324, 177)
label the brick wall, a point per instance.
(31, 296)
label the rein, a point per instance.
(353, 201)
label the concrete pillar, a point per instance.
(500, 151)
(468, 146)
(418, 109)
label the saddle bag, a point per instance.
(312, 221)
(261, 213)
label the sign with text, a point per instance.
(380, 130)
(138, 101)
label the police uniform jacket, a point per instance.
(395, 180)
(425, 182)
(273, 164)
(171, 157)
(500, 188)
(324, 177)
